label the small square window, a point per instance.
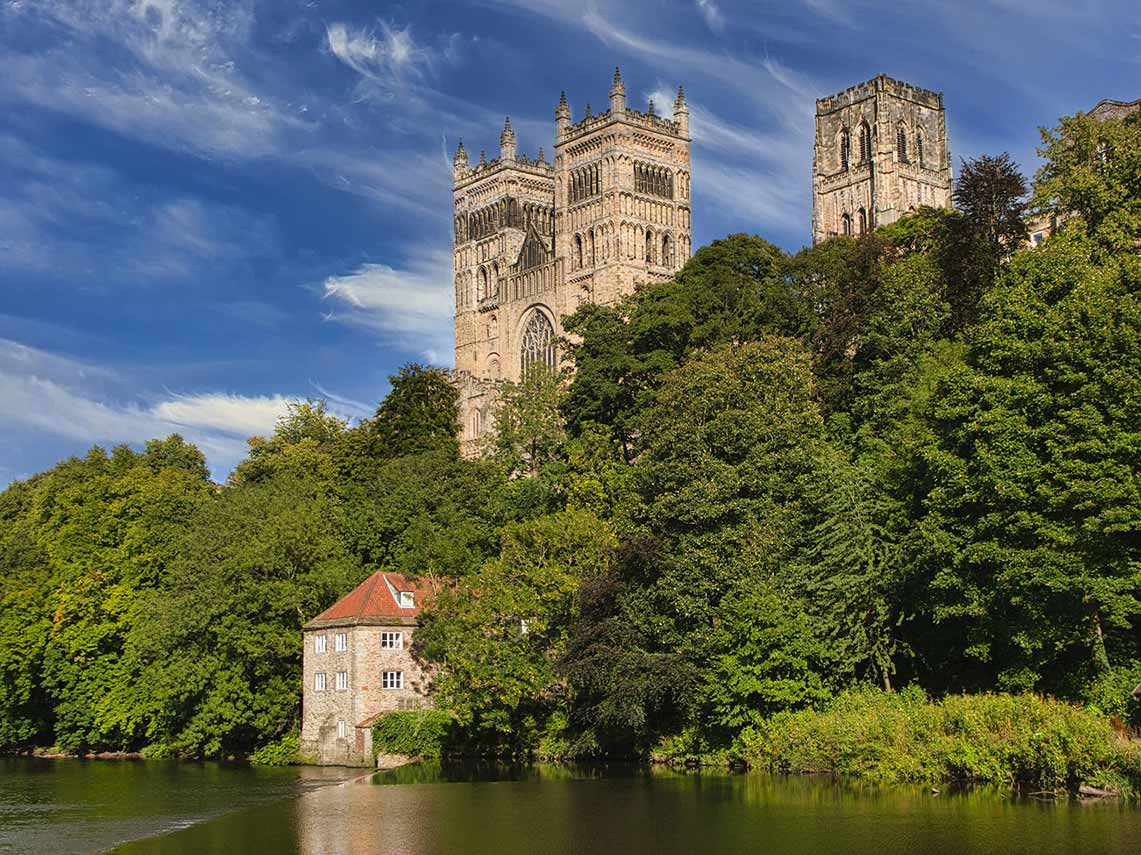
(341, 729)
(407, 600)
(392, 680)
(341, 642)
(342, 681)
(321, 644)
(319, 681)
(392, 641)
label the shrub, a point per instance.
(419, 733)
(993, 738)
(284, 752)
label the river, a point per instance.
(158, 808)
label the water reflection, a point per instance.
(507, 810)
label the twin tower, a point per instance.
(535, 239)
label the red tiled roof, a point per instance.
(376, 596)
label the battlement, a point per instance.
(880, 83)
(647, 120)
(538, 167)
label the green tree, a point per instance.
(304, 440)
(1093, 172)
(420, 413)
(991, 193)
(529, 430)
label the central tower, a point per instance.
(534, 240)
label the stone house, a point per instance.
(357, 665)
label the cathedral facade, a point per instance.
(881, 151)
(536, 239)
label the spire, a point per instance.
(681, 112)
(588, 112)
(617, 94)
(562, 115)
(482, 159)
(507, 141)
(459, 162)
(650, 111)
(542, 157)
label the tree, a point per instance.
(528, 427)
(1093, 172)
(304, 441)
(991, 192)
(420, 413)
(497, 634)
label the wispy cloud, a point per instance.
(411, 305)
(387, 56)
(711, 14)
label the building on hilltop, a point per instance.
(881, 150)
(535, 239)
(357, 665)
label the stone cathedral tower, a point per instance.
(534, 240)
(881, 151)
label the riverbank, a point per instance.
(1024, 741)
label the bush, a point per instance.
(1111, 693)
(418, 733)
(1001, 739)
(284, 752)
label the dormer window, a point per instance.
(407, 600)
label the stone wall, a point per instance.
(364, 661)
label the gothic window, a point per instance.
(591, 260)
(667, 259)
(481, 284)
(649, 247)
(493, 282)
(865, 142)
(846, 224)
(919, 148)
(845, 149)
(538, 344)
(901, 144)
(863, 220)
(576, 261)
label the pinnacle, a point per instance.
(617, 75)
(680, 94)
(563, 99)
(651, 110)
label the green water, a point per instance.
(420, 810)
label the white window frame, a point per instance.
(342, 731)
(321, 644)
(407, 600)
(342, 681)
(320, 681)
(392, 680)
(341, 642)
(391, 640)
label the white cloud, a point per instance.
(386, 56)
(46, 393)
(228, 413)
(412, 305)
(711, 13)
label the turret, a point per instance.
(617, 94)
(482, 159)
(562, 115)
(459, 162)
(681, 112)
(507, 141)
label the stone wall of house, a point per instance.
(365, 662)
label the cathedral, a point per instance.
(535, 239)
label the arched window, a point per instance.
(845, 149)
(649, 247)
(865, 142)
(846, 224)
(667, 259)
(592, 260)
(919, 148)
(481, 284)
(538, 345)
(576, 261)
(493, 327)
(901, 144)
(863, 221)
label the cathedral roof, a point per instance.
(375, 600)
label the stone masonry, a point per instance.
(337, 718)
(880, 151)
(535, 239)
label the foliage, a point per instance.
(285, 751)
(1023, 739)
(419, 414)
(416, 733)
(990, 192)
(528, 428)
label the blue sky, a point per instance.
(208, 208)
